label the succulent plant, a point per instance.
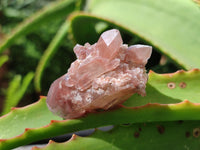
(167, 117)
(36, 122)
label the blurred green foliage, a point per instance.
(25, 53)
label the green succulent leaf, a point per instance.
(20, 120)
(159, 135)
(36, 122)
(3, 59)
(169, 88)
(48, 54)
(16, 91)
(171, 26)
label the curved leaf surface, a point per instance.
(33, 124)
(3, 59)
(20, 119)
(171, 26)
(16, 91)
(151, 136)
(48, 54)
(56, 9)
(169, 88)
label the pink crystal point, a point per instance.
(109, 43)
(105, 74)
(139, 53)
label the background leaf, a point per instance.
(16, 91)
(151, 136)
(48, 54)
(3, 59)
(52, 11)
(172, 27)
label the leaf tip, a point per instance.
(13, 108)
(151, 72)
(186, 101)
(74, 137)
(54, 121)
(27, 129)
(195, 70)
(41, 97)
(51, 142)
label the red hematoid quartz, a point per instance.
(105, 74)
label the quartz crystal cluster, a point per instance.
(105, 74)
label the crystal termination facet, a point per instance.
(105, 74)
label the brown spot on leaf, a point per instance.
(196, 132)
(171, 85)
(187, 134)
(136, 134)
(182, 85)
(161, 129)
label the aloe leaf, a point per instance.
(3, 59)
(33, 122)
(13, 86)
(16, 90)
(151, 136)
(169, 88)
(29, 133)
(48, 54)
(172, 27)
(20, 120)
(52, 11)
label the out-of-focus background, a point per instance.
(26, 51)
